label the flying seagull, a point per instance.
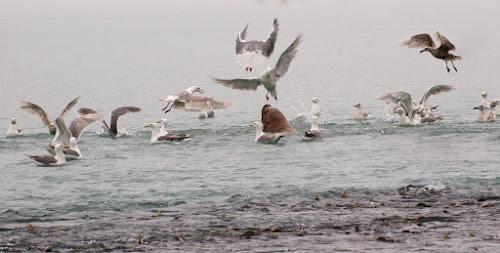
(442, 52)
(44, 117)
(253, 52)
(188, 102)
(269, 77)
(115, 115)
(261, 137)
(75, 129)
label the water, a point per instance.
(221, 191)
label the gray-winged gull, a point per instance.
(44, 117)
(251, 53)
(358, 114)
(156, 138)
(72, 152)
(313, 133)
(484, 117)
(441, 52)
(76, 128)
(115, 115)
(269, 77)
(50, 160)
(12, 131)
(315, 108)
(262, 137)
(186, 101)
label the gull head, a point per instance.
(481, 108)
(357, 105)
(398, 110)
(315, 100)
(194, 89)
(163, 121)
(484, 94)
(13, 121)
(151, 125)
(256, 124)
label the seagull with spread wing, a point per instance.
(253, 52)
(441, 52)
(115, 115)
(269, 77)
(186, 101)
(44, 117)
(406, 107)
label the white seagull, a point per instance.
(12, 131)
(156, 138)
(261, 137)
(253, 52)
(269, 77)
(358, 114)
(313, 133)
(315, 108)
(186, 101)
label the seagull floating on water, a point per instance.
(44, 117)
(269, 77)
(315, 108)
(12, 131)
(358, 114)
(72, 152)
(485, 117)
(115, 115)
(188, 102)
(253, 52)
(262, 137)
(441, 52)
(50, 160)
(313, 133)
(156, 138)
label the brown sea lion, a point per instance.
(274, 121)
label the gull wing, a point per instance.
(116, 114)
(199, 103)
(445, 43)
(419, 40)
(398, 96)
(239, 83)
(436, 90)
(69, 106)
(85, 110)
(286, 58)
(37, 111)
(240, 40)
(62, 133)
(80, 124)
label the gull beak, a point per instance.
(201, 91)
(476, 108)
(146, 126)
(251, 125)
(422, 51)
(158, 121)
(66, 146)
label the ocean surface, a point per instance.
(365, 186)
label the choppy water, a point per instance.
(221, 191)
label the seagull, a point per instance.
(485, 117)
(274, 121)
(208, 111)
(404, 119)
(155, 138)
(441, 52)
(188, 102)
(403, 100)
(76, 128)
(430, 119)
(484, 100)
(250, 53)
(261, 137)
(358, 114)
(72, 152)
(163, 129)
(44, 117)
(50, 160)
(115, 115)
(269, 77)
(315, 108)
(13, 131)
(313, 133)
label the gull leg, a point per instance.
(454, 66)
(170, 108)
(166, 106)
(246, 69)
(275, 98)
(447, 66)
(250, 69)
(267, 97)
